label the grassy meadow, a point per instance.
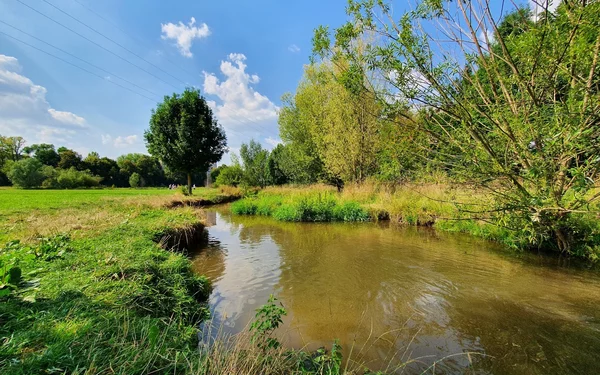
(96, 293)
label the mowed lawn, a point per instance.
(26, 214)
(18, 200)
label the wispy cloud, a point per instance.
(293, 48)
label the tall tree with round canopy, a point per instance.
(185, 135)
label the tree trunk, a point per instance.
(189, 175)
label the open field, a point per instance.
(97, 294)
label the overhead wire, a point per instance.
(134, 38)
(113, 41)
(77, 66)
(260, 129)
(97, 44)
(80, 59)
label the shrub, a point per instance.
(26, 173)
(230, 176)
(68, 179)
(135, 180)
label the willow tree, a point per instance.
(340, 127)
(185, 135)
(515, 101)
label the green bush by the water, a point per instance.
(319, 207)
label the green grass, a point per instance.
(18, 200)
(98, 295)
(307, 207)
(109, 299)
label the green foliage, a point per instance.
(68, 178)
(319, 207)
(135, 180)
(184, 190)
(230, 176)
(267, 319)
(276, 166)
(214, 173)
(255, 164)
(26, 173)
(69, 159)
(50, 248)
(10, 274)
(44, 152)
(146, 166)
(512, 109)
(185, 135)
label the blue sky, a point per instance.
(242, 55)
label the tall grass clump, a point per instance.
(304, 207)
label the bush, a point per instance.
(230, 176)
(135, 180)
(26, 173)
(68, 178)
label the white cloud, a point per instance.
(25, 111)
(67, 117)
(239, 102)
(272, 141)
(120, 141)
(184, 35)
(294, 48)
(538, 7)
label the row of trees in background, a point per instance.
(43, 165)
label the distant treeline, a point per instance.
(43, 165)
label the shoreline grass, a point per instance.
(442, 206)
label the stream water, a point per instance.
(403, 296)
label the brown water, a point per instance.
(395, 295)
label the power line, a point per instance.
(104, 48)
(80, 59)
(111, 40)
(77, 66)
(134, 38)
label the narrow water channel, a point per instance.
(395, 295)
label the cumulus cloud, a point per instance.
(120, 141)
(184, 35)
(67, 117)
(239, 103)
(294, 48)
(25, 111)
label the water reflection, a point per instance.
(393, 294)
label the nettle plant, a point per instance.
(267, 319)
(510, 104)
